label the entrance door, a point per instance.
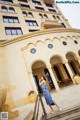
(37, 84)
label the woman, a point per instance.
(46, 94)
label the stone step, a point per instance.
(65, 113)
(29, 116)
(74, 116)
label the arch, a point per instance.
(54, 16)
(58, 57)
(62, 38)
(41, 16)
(39, 41)
(45, 16)
(48, 39)
(61, 73)
(35, 63)
(30, 14)
(70, 55)
(74, 38)
(79, 52)
(11, 9)
(30, 44)
(78, 37)
(73, 63)
(68, 37)
(58, 17)
(3, 8)
(56, 38)
(24, 13)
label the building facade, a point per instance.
(35, 40)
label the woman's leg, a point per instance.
(57, 106)
(51, 107)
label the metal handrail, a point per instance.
(36, 108)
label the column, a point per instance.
(69, 70)
(32, 81)
(79, 61)
(53, 77)
(79, 66)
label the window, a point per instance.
(13, 31)
(3, 8)
(50, 46)
(39, 8)
(36, 2)
(64, 43)
(41, 16)
(31, 23)
(45, 16)
(9, 19)
(33, 50)
(54, 17)
(24, 13)
(7, 1)
(58, 17)
(30, 14)
(22, 0)
(11, 9)
(49, 5)
(51, 10)
(33, 30)
(25, 6)
(75, 41)
(63, 25)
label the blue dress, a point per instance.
(47, 95)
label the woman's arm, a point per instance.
(41, 82)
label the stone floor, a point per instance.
(67, 97)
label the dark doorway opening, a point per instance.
(37, 84)
(49, 79)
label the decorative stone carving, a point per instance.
(32, 96)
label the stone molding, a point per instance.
(38, 33)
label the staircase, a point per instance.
(66, 114)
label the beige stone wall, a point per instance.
(4, 78)
(19, 59)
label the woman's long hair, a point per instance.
(44, 77)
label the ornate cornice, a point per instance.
(34, 34)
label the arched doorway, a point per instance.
(39, 69)
(59, 69)
(73, 63)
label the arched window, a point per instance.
(41, 16)
(54, 17)
(45, 16)
(58, 17)
(11, 9)
(63, 25)
(24, 13)
(3, 8)
(30, 14)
